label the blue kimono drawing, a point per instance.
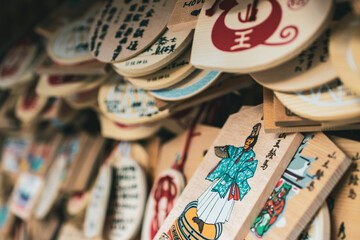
(230, 184)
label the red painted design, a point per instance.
(59, 80)
(31, 98)
(166, 191)
(236, 195)
(235, 40)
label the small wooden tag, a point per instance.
(122, 30)
(195, 83)
(166, 49)
(185, 15)
(330, 102)
(239, 32)
(344, 200)
(173, 73)
(244, 164)
(345, 51)
(311, 68)
(25, 195)
(313, 172)
(96, 210)
(127, 198)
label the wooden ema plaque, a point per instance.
(330, 102)
(314, 171)
(195, 83)
(6, 221)
(69, 45)
(344, 199)
(96, 210)
(127, 197)
(270, 126)
(185, 15)
(170, 182)
(166, 49)
(319, 228)
(47, 66)
(118, 131)
(83, 99)
(169, 75)
(284, 117)
(311, 68)
(243, 164)
(29, 104)
(17, 63)
(122, 30)
(345, 51)
(63, 85)
(25, 195)
(13, 153)
(238, 33)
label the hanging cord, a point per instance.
(179, 165)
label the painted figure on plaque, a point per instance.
(295, 178)
(203, 219)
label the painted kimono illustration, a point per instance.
(203, 219)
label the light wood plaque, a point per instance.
(169, 75)
(185, 15)
(313, 172)
(229, 211)
(231, 36)
(122, 30)
(166, 49)
(330, 102)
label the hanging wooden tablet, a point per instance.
(81, 170)
(67, 154)
(313, 172)
(63, 85)
(13, 152)
(99, 198)
(127, 198)
(166, 190)
(238, 33)
(78, 203)
(319, 228)
(126, 104)
(29, 104)
(40, 154)
(47, 66)
(173, 73)
(6, 221)
(122, 30)
(270, 127)
(344, 199)
(226, 209)
(118, 131)
(166, 49)
(284, 117)
(345, 51)
(195, 83)
(17, 63)
(329, 102)
(69, 44)
(25, 195)
(311, 68)
(170, 182)
(185, 15)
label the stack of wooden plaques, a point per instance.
(183, 120)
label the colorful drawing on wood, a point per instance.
(296, 177)
(213, 208)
